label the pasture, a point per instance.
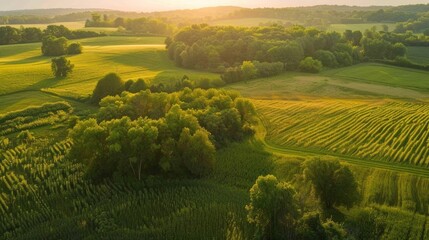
(357, 82)
(23, 67)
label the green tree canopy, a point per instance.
(272, 207)
(109, 85)
(61, 67)
(333, 183)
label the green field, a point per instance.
(360, 81)
(374, 130)
(382, 74)
(23, 67)
(70, 25)
(419, 55)
(248, 22)
(359, 27)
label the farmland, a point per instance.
(179, 163)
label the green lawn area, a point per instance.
(419, 55)
(23, 67)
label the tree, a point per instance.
(197, 152)
(327, 58)
(272, 208)
(52, 46)
(9, 35)
(249, 70)
(333, 183)
(109, 85)
(74, 48)
(310, 65)
(61, 67)
(290, 54)
(139, 85)
(357, 37)
(31, 34)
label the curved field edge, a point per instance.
(296, 151)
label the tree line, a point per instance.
(244, 53)
(11, 35)
(142, 25)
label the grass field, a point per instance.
(360, 81)
(359, 27)
(419, 55)
(248, 22)
(70, 25)
(23, 67)
(383, 74)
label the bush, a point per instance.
(139, 85)
(74, 48)
(310, 65)
(61, 67)
(327, 58)
(110, 85)
(266, 69)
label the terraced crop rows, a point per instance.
(390, 131)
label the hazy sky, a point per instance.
(154, 5)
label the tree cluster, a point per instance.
(11, 35)
(161, 134)
(140, 25)
(273, 209)
(224, 49)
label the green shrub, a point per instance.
(310, 65)
(109, 85)
(74, 48)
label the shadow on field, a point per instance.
(36, 60)
(46, 83)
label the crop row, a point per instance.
(384, 130)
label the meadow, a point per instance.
(70, 25)
(23, 67)
(356, 82)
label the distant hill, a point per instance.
(209, 12)
(48, 12)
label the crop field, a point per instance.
(378, 130)
(23, 67)
(419, 55)
(359, 27)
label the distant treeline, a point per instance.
(137, 25)
(245, 53)
(11, 35)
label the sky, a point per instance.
(160, 5)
